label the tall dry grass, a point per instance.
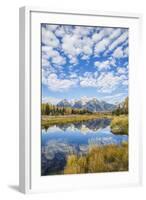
(99, 159)
(119, 125)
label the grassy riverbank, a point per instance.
(65, 119)
(108, 158)
(119, 125)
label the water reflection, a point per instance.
(90, 125)
(61, 140)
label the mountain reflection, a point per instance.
(76, 138)
(86, 126)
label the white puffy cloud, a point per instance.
(76, 42)
(73, 75)
(87, 50)
(60, 32)
(121, 70)
(45, 62)
(68, 44)
(101, 46)
(122, 38)
(118, 53)
(56, 84)
(44, 77)
(105, 38)
(85, 57)
(123, 77)
(88, 81)
(49, 51)
(107, 82)
(102, 65)
(53, 55)
(96, 37)
(106, 64)
(109, 33)
(79, 40)
(75, 45)
(51, 27)
(112, 61)
(73, 59)
(126, 51)
(115, 33)
(103, 82)
(59, 60)
(49, 38)
(125, 82)
(50, 100)
(80, 30)
(114, 98)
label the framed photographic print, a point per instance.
(79, 86)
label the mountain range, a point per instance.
(92, 105)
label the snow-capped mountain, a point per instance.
(64, 103)
(93, 105)
(78, 104)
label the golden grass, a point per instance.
(119, 124)
(54, 120)
(108, 158)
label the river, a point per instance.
(59, 141)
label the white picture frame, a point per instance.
(29, 143)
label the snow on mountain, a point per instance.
(90, 104)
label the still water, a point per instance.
(59, 141)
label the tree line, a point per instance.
(48, 109)
(121, 108)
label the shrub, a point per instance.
(99, 159)
(119, 125)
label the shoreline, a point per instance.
(66, 119)
(118, 125)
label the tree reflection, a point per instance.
(62, 140)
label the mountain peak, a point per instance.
(64, 103)
(90, 104)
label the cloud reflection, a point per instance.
(60, 141)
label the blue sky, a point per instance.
(84, 62)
